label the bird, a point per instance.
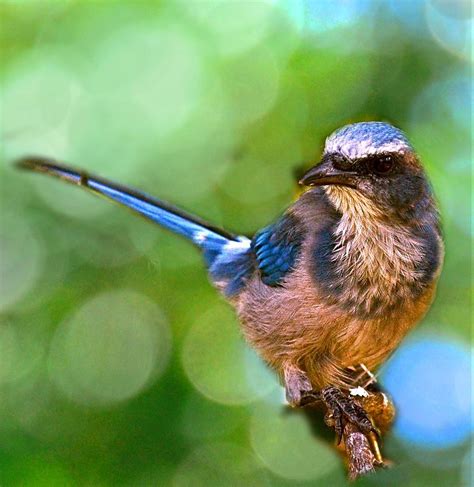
(337, 280)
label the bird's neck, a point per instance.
(379, 260)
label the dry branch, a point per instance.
(360, 451)
(361, 460)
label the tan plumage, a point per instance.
(302, 326)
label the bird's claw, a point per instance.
(309, 397)
(342, 409)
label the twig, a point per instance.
(359, 454)
(363, 451)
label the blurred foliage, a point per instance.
(119, 364)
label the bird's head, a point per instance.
(371, 167)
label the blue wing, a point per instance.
(233, 266)
(277, 248)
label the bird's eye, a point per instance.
(383, 164)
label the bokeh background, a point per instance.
(119, 364)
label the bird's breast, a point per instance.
(369, 268)
(296, 323)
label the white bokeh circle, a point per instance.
(110, 349)
(285, 444)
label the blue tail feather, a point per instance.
(191, 227)
(219, 247)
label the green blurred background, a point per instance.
(119, 363)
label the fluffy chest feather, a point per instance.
(369, 266)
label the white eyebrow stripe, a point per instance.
(358, 149)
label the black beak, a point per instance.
(325, 173)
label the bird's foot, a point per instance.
(342, 409)
(298, 388)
